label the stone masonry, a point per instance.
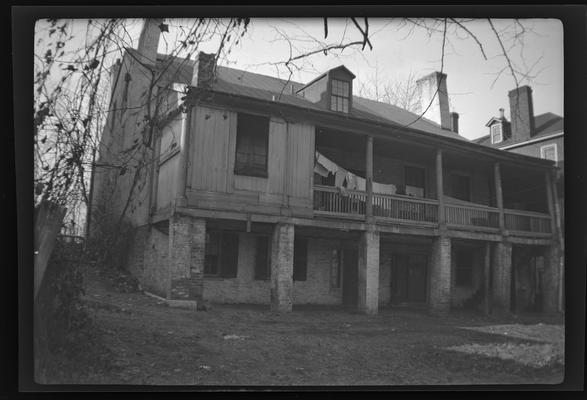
(187, 246)
(440, 276)
(282, 251)
(502, 277)
(368, 300)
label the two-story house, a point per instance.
(539, 136)
(275, 192)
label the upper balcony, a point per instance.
(427, 187)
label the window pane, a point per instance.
(251, 145)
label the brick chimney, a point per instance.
(149, 40)
(204, 70)
(521, 113)
(454, 119)
(432, 88)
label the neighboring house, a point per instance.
(275, 192)
(537, 136)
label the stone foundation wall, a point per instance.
(245, 289)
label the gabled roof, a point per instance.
(492, 120)
(263, 87)
(544, 125)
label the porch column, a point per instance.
(369, 180)
(368, 301)
(187, 248)
(551, 279)
(440, 276)
(184, 146)
(502, 276)
(499, 195)
(440, 190)
(282, 251)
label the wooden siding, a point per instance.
(211, 166)
(167, 181)
(209, 149)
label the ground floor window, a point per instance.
(221, 257)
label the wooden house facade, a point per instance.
(274, 192)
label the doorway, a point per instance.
(409, 274)
(350, 277)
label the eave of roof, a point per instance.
(456, 144)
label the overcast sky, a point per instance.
(396, 53)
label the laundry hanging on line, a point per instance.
(346, 179)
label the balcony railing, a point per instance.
(331, 200)
(462, 215)
(341, 203)
(404, 208)
(527, 221)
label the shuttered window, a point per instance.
(496, 133)
(252, 142)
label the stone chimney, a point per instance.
(454, 119)
(434, 96)
(149, 40)
(521, 113)
(204, 70)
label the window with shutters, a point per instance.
(414, 179)
(548, 152)
(340, 95)
(496, 133)
(221, 258)
(262, 267)
(252, 142)
(300, 260)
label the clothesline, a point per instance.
(346, 179)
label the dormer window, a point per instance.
(496, 133)
(339, 98)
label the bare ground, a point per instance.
(140, 340)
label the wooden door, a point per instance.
(350, 277)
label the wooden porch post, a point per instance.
(440, 189)
(499, 195)
(184, 147)
(369, 180)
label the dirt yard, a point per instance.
(142, 341)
